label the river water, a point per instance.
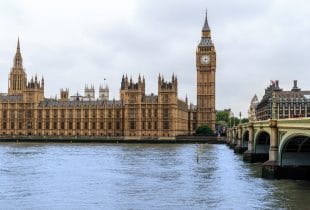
(139, 176)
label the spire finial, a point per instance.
(206, 24)
(18, 45)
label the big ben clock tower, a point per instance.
(206, 67)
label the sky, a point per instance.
(73, 43)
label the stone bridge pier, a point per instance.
(283, 146)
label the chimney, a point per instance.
(277, 83)
(295, 87)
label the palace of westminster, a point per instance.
(24, 111)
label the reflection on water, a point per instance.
(132, 176)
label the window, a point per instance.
(166, 113)
(166, 125)
(143, 112)
(47, 125)
(150, 113)
(149, 125)
(86, 125)
(20, 125)
(12, 114)
(62, 125)
(117, 125)
(70, 125)
(4, 125)
(86, 113)
(4, 114)
(55, 113)
(94, 125)
(47, 114)
(78, 125)
(63, 114)
(101, 125)
(78, 113)
(132, 125)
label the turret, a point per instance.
(64, 94)
(132, 87)
(104, 92)
(89, 92)
(168, 86)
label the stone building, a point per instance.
(252, 109)
(25, 111)
(289, 104)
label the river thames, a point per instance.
(139, 176)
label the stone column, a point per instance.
(239, 139)
(271, 168)
(273, 150)
(251, 138)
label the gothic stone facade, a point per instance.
(25, 111)
(288, 104)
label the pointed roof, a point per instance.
(18, 46)
(18, 60)
(206, 24)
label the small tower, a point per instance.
(104, 93)
(89, 92)
(17, 78)
(167, 91)
(64, 94)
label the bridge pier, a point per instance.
(242, 144)
(271, 168)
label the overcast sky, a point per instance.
(74, 42)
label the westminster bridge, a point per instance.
(283, 145)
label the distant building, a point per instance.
(252, 109)
(290, 104)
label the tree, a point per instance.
(204, 130)
(244, 120)
(222, 116)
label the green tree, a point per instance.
(204, 130)
(222, 116)
(244, 120)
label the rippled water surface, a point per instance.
(131, 176)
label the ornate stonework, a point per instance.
(25, 111)
(206, 69)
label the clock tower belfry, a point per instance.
(206, 68)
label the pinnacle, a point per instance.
(206, 24)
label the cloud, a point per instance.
(76, 42)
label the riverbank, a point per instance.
(116, 140)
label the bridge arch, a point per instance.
(245, 138)
(262, 145)
(262, 141)
(295, 150)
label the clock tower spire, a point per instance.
(206, 68)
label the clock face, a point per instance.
(205, 59)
